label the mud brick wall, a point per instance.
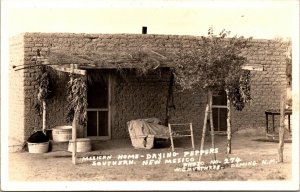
(140, 97)
(189, 108)
(266, 86)
(146, 96)
(135, 98)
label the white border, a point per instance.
(295, 96)
(178, 185)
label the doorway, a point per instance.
(98, 111)
(219, 111)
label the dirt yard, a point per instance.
(57, 166)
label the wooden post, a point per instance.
(192, 136)
(171, 136)
(74, 149)
(228, 149)
(44, 116)
(203, 131)
(211, 122)
(74, 135)
(281, 128)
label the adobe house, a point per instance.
(119, 98)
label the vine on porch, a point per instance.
(77, 99)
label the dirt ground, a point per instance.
(57, 166)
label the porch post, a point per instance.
(74, 134)
(74, 156)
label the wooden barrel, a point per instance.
(62, 133)
(38, 147)
(82, 145)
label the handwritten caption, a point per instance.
(218, 165)
(188, 160)
(149, 158)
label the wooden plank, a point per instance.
(204, 131)
(69, 70)
(192, 136)
(228, 120)
(171, 136)
(253, 67)
(210, 96)
(161, 137)
(74, 140)
(220, 106)
(97, 109)
(59, 67)
(109, 105)
(74, 134)
(179, 124)
(281, 128)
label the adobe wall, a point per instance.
(266, 86)
(138, 93)
(146, 96)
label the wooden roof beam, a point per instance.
(63, 67)
(69, 70)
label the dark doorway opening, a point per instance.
(219, 111)
(98, 111)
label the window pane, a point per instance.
(223, 119)
(220, 99)
(97, 90)
(92, 123)
(219, 119)
(103, 123)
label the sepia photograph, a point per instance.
(149, 95)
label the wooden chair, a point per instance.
(179, 131)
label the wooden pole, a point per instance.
(44, 116)
(171, 136)
(229, 131)
(74, 149)
(74, 135)
(192, 136)
(204, 130)
(211, 122)
(281, 129)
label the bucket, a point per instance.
(62, 133)
(82, 145)
(38, 147)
